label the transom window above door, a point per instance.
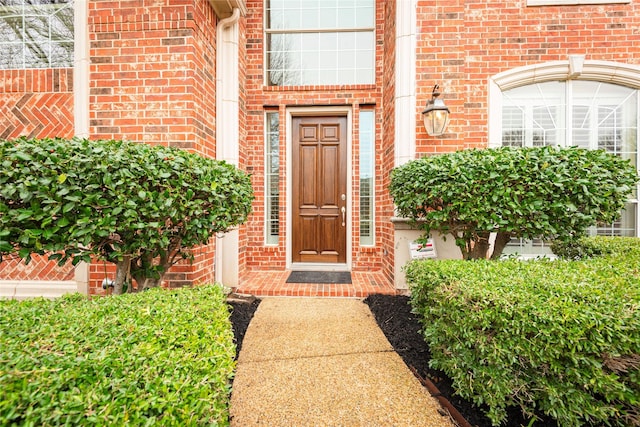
(320, 42)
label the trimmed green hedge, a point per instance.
(581, 248)
(531, 192)
(557, 337)
(157, 357)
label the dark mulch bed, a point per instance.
(242, 310)
(402, 329)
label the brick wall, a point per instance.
(36, 103)
(386, 157)
(260, 98)
(153, 72)
(152, 80)
(461, 43)
(243, 160)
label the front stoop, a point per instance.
(273, 283)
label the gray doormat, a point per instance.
(342, 277)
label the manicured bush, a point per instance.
(557, 337)
(162, 357)
(581, 248)
(540, 192)
(142, 207)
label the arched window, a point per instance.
(592, 105)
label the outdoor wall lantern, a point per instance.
(436, 115)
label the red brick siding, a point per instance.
(38, 269)
(36, 103)
(384, 228)
(463, 43)
(142, 71)
(243, 159)
(204, 121)
(259, 98)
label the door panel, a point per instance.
(309, 185)
(330, 190)
(319, 183)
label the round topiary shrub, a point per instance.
(143, 207)
(541, 192)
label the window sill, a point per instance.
(319, 88)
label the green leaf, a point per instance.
(24, 214)
(5, 246)
(23, 156)
(68, 207)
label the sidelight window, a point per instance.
(367, 181)
(272, 178)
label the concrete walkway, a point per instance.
(324, 362)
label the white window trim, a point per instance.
(573, 68)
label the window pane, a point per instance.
(36, 34)
(365, 17)
(581, 122)
(623, 226)
(321, 58)
(61, 54)
(512, 126)
(272, 178)
(533, 115)
(367, 190)
(324, 56)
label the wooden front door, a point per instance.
(319, 164)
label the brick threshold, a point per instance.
(273, 283)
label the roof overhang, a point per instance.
(224, 8)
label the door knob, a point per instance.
(344, 214)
